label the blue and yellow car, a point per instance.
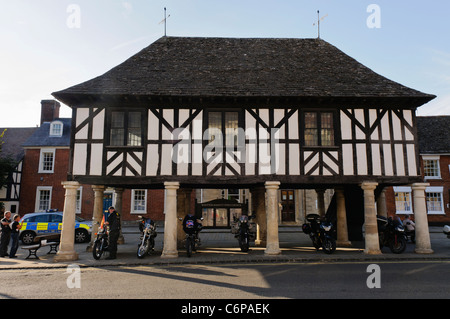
(35, 224)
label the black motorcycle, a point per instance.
(320, 233)
(391, 233)
(244, 231)
(147, 228)
(192, 240)
(101, 243)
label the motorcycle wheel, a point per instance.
(329, 245)
(189, 246)
(97, 250)
(243, 243)
(143, 249)
(398, 245)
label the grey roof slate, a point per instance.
(12, 141)
(433, 134)
(42, 138)
(240, 67)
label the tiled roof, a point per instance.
(434, 134)
(12, 141)
(236, 67)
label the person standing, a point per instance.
(6, 233)
(15, 228)
(113, 222)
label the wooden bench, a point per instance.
(51, 240)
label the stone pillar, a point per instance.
(341, 215)
(273, 244)
(423, 243)
(66, 250)
(321, 202)
(97, 214)
(118, 192)
(381, 204)
(259, 207)
(170, 222)
(370, 219)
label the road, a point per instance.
(428, 280)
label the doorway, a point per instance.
(288, 205)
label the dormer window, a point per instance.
(56, 128)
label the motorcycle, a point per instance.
(147, 228)
(101, 243)
(391, 233)
(320, 233)
(244, 231)
(192, 240)
(446, 230)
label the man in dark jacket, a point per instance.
(113, 222)
(6, 234)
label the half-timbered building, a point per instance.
(259, 114)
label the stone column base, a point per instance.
(65, 256)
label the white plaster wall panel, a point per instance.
(294, 159)
(293, 126)
(197, 159)
(166, 159)
(399, 160)
(153, 125)
(152, 160)
(387, 156)
(330, 162)
(168, 116)
(361, 159)
(114, 164)
(346, 127)
(385, 132)
(376, 160)
(412, 165)
(96, 164)
(396, 127)
(79, 159)
(98, 125)
(264, 159)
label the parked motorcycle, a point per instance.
(391, 233)
(147, 228)
(447, 230)
(101, 242)
(244, 231)
(320, 233)
(192, 240)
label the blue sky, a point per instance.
(41, 52)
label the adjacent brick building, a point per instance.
(434, 148)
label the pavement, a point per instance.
(220, 247)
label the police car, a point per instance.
(50, 222)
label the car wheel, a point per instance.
(28, 237)
(81, 235)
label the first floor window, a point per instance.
(139, 201)
(431, 168)
(43, 198)
(319, 129)
(47, 160)
(126, 129)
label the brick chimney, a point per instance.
(49, 110)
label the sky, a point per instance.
(50, 45)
